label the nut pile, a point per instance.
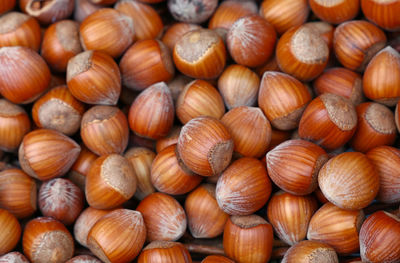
(208, 131)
